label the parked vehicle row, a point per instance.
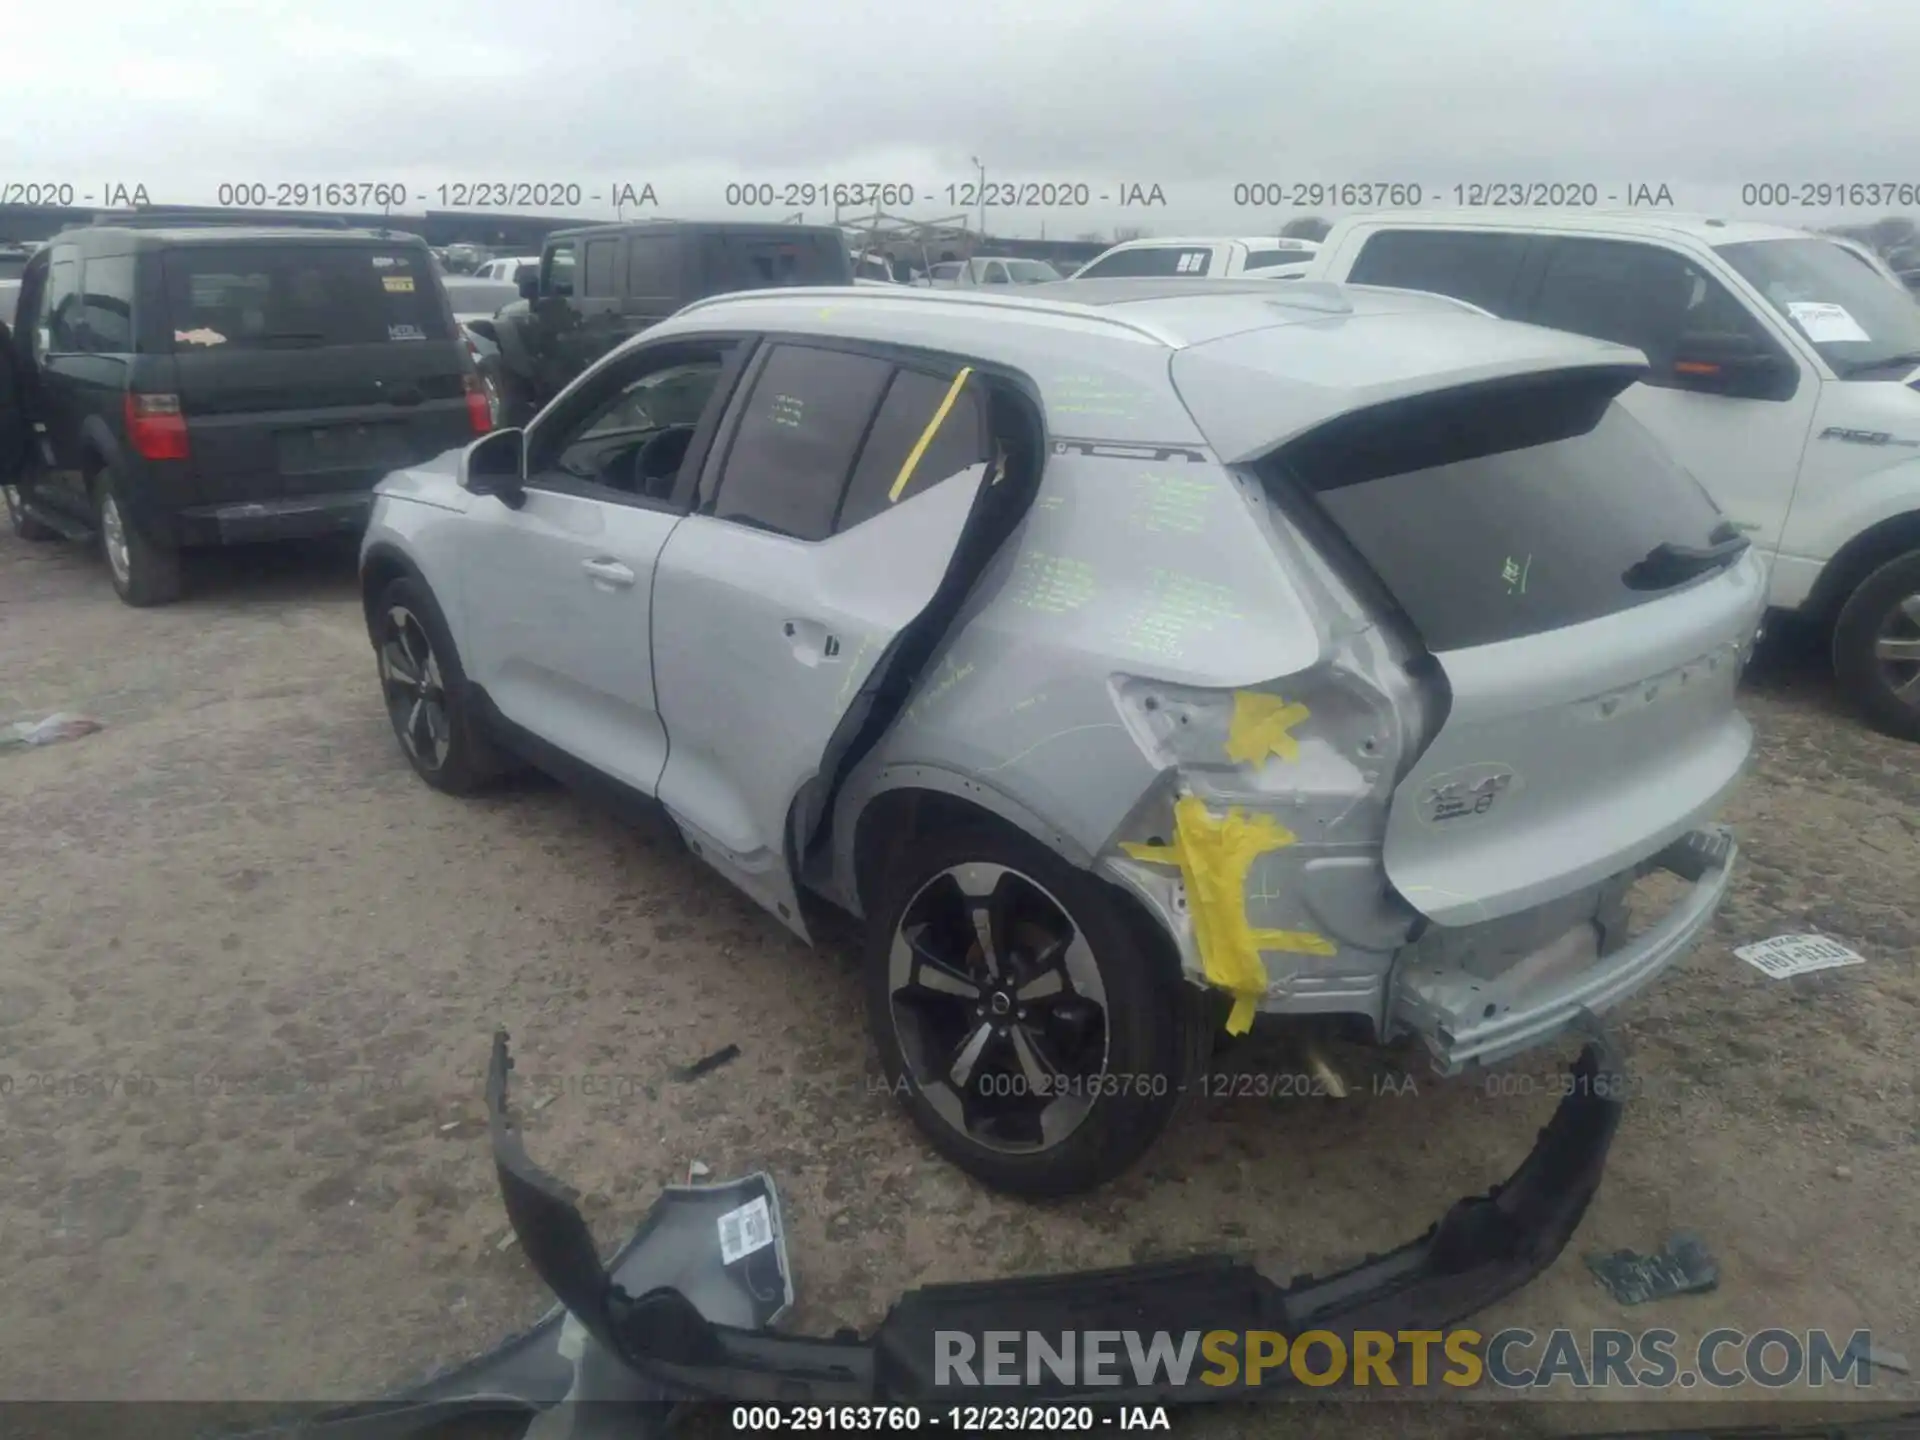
(1783, 371)
(1131, 658)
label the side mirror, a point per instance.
(1733, 365)
(495, 465)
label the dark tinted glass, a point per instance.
(1639, 295)
(913, 399)
(1479, 269)
(1504, 510)
(1149, 260)
(652, 271)
(603, 269)
(795, 446)
(761, 260)
(559, 270)
(287, 296)
(62, 305)
(106, 305)
(1266, 259)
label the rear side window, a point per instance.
(274, 297)
(1149, 260)
(803, 425)
(1264, 259)
(762, 261)
(559, 270)
(653, 269)
(1503, 510)
(908, 414)
(603, 269)
(106, 305)
(1477, 268)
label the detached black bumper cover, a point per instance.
(1483, 1248)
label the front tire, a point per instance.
(1032, 1024)
(144, 571)
(426, 693)
(1876, 647)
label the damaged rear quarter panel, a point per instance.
(1123, 566)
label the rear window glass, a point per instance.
(287, 296)
(1264, 259)
(913, 400)
(1504, 510)
(761, 262)
(1149, 260)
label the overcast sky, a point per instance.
(1701, 95)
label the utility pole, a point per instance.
(981, 194)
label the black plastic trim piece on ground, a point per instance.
(1484, 1247)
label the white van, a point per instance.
(1784, 373)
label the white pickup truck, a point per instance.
(1784, 372)
(1194, 256)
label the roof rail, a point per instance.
(175, 217)
(910, 295)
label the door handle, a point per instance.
(608, 572)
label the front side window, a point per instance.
(632, 435)
(1645, 296)
(558, 266)
(1863, 326)
(797, 439)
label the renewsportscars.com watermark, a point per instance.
(1516, 1359)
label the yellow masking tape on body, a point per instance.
(1214, 857)
(912, 461)
(1262, 725)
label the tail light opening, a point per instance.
(479, 403)
(156, 427)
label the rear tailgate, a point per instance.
(1518, 526)
(306, 367)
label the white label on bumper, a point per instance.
(1786, 955)
(745, 1230)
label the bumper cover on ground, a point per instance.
(668, 1319)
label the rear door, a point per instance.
(311, 366)
(1519, 528)
(842, 489)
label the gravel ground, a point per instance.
(249, 967)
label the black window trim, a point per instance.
(619, 373)
(76, 256)
(1536, 277)
(939, 364)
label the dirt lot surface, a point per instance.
(249, 966)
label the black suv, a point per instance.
(602, 284)
(190, 386)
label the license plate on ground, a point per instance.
(342, 447)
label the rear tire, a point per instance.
(144, 571)
(1082, 988)
(23, 524)
(1876, 647)
(428, 700)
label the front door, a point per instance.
(1745, 451)
(845, 488)
(556, 596)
